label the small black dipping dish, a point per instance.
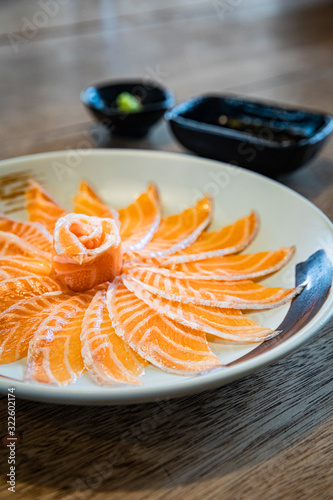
(101, 100)
(264, 137)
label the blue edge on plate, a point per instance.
(315, 275)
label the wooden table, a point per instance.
(268, 436)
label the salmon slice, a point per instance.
(169, 345)
(87, 202)
(230, 267)
(16, 289)
(140, 220)
(227, 324)
(21, 320)
(228, 240)
(226, 294)
(15, 267)
(179, 231)
(33, 233)
(107, 358)
(54, 355)
(11, 244)
(41, 207)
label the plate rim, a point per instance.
(210, 380)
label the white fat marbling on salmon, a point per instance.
(227, 294)
(54, 354)
(11, 244)
(227, 324)
(228, 240)
(140, 220)
(235, 267)
(107, 358)
(165, 343)
(179, 231)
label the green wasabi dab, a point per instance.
(128, 103)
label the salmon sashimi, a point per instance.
(140, 220)
(179, 231)
(31, 232)
(16, 289)
(87, 202)
(21, 320)
(169, 345)
(15, 267)
(41, 207)
(227, 324)
(87, 251)
(13, 245)
(228, 240)
(230, 267)
(54, 355)
(106, 356)
(108, 292)
(226, 294)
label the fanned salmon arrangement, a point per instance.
(109, 292)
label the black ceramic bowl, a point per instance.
(267, 138)
(101, 101)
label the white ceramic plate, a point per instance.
(119, 175)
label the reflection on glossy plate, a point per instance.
(119, 175)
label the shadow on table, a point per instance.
(78, 450)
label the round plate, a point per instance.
(119, 175)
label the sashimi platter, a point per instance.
(114, 294)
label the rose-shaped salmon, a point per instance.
(87, 251)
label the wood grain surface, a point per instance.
(268, 436)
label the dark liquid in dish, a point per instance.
(256, 127)
(266, 122)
